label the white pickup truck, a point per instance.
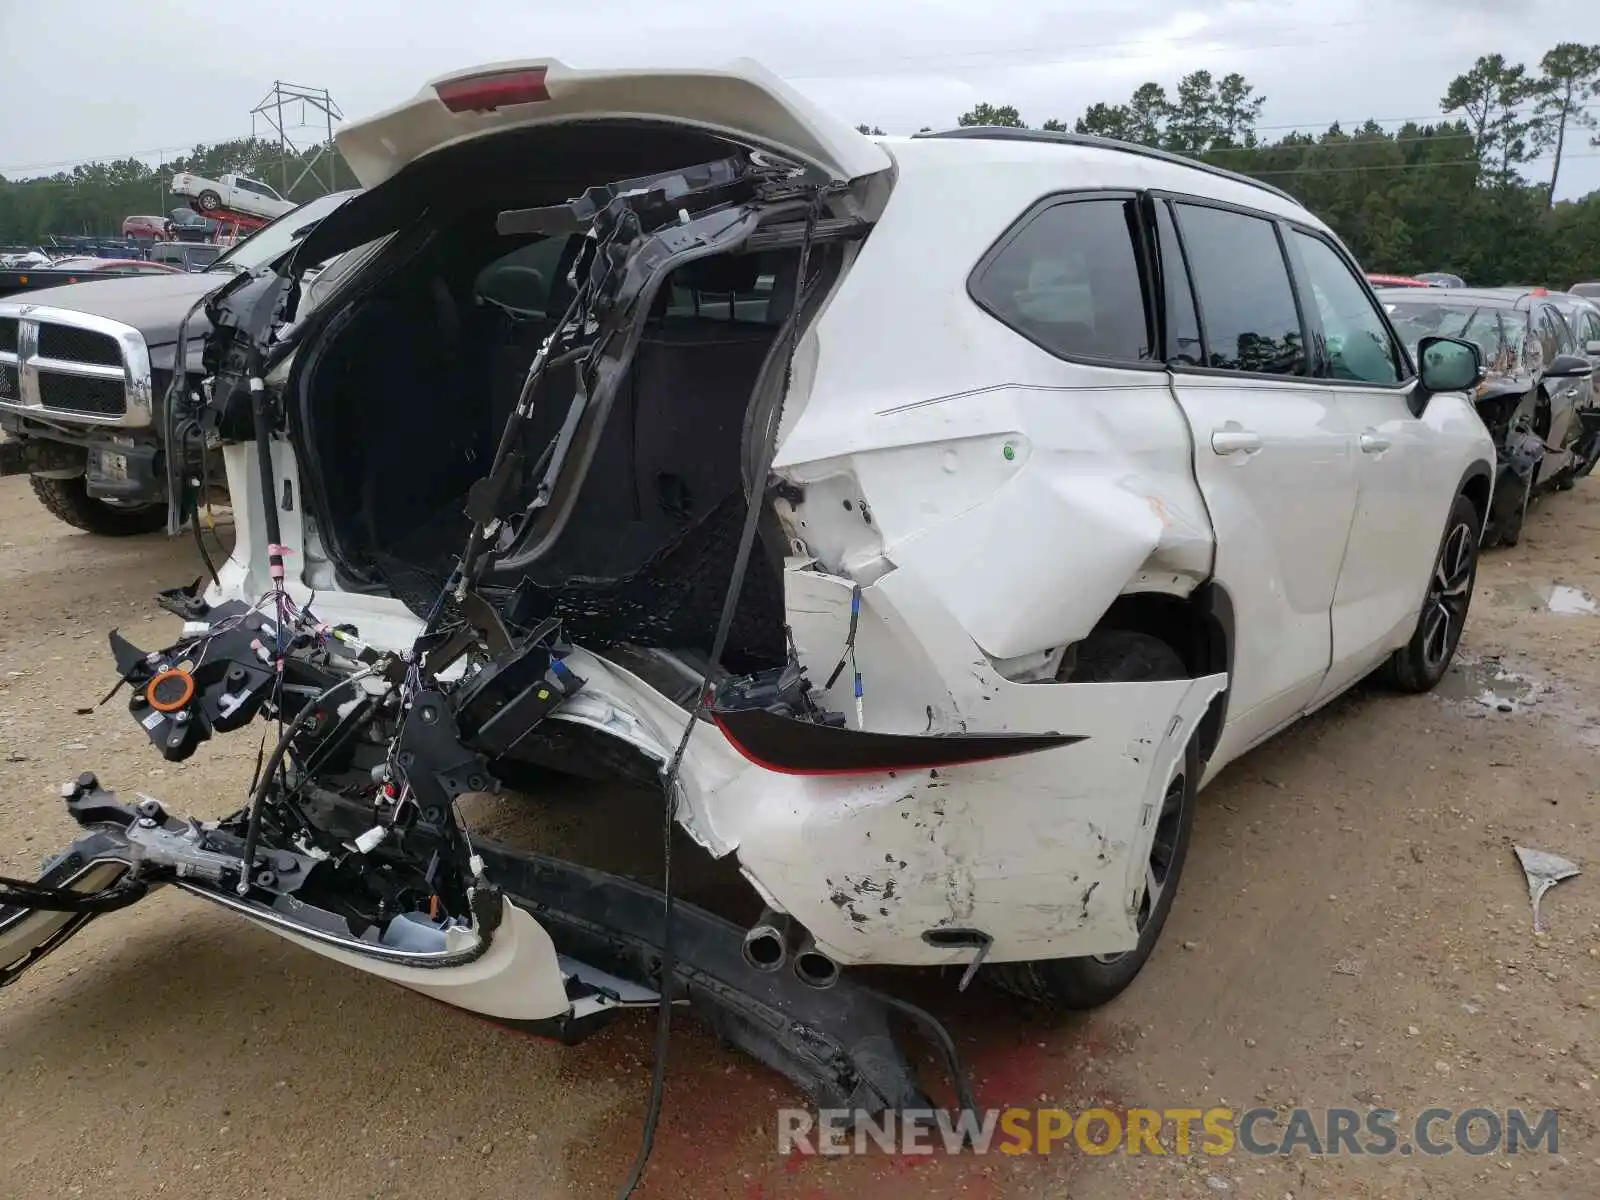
(230, 193)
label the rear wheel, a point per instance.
(1421, 662)
(210, 201)
(69, 500)
(1122, 656)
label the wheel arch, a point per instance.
(1477, 485)
(1199, 627)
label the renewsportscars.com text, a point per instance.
(1158, 1131)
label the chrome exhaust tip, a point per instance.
(766, 944)
(814, 968)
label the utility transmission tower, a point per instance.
(311, 101)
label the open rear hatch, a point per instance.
(349, 844)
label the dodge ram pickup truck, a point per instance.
(84, 371)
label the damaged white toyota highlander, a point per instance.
(924, 520)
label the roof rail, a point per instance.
(1068, 138)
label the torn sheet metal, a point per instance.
(1044, 853)
(1544, 870)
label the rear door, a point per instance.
(1273, 452)
(1566, 395)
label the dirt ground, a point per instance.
(1352, 929)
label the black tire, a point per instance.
(1421, 662)
(69, 500)
(1119, 656)
(210, 201)
(1509, 531)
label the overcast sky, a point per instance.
(82, 79)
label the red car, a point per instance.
(113, 266)
(1383, 281)
(153, 228)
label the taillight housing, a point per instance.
(791, 746)
(485, 93)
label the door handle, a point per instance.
(1373, 443)
(1233, 439)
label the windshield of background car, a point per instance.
(267, 243)
(1502, 335)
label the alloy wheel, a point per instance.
(1449, 592)
(1163, 853)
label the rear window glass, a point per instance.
(740, 288)
(1501, 334)
(521, 281)
(1069, 281)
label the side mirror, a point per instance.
(1446, 365)
(1568, 366)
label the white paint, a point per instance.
(518, 978)
(971, 560)
(743, 100)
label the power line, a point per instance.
(1438, 116)
(1423, 166)
(1027, 54)
(123, 155)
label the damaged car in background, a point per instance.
(916, 525)
(1537, 400)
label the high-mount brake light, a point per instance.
(485, 93)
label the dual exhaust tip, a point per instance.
(776, 940)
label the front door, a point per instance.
(1274, 455)
(1401, 464)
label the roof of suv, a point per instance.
(1064, 137)
(1069, 161)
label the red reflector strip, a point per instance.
(485, 93)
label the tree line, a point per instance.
(93, 198)
(1452, 195)
(1456, 194)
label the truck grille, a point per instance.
(74, 366)
(70, 344)
(82, 393)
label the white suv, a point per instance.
(1077, 470)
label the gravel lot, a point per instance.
(1352, 929)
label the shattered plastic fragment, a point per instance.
(1544, 870)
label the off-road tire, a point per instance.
(1114, 656)
(69, 500)
(1419, 664)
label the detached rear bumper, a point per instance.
(605, 935)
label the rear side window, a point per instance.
(1242, 283)
(1356, 343)
(1069, 281)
